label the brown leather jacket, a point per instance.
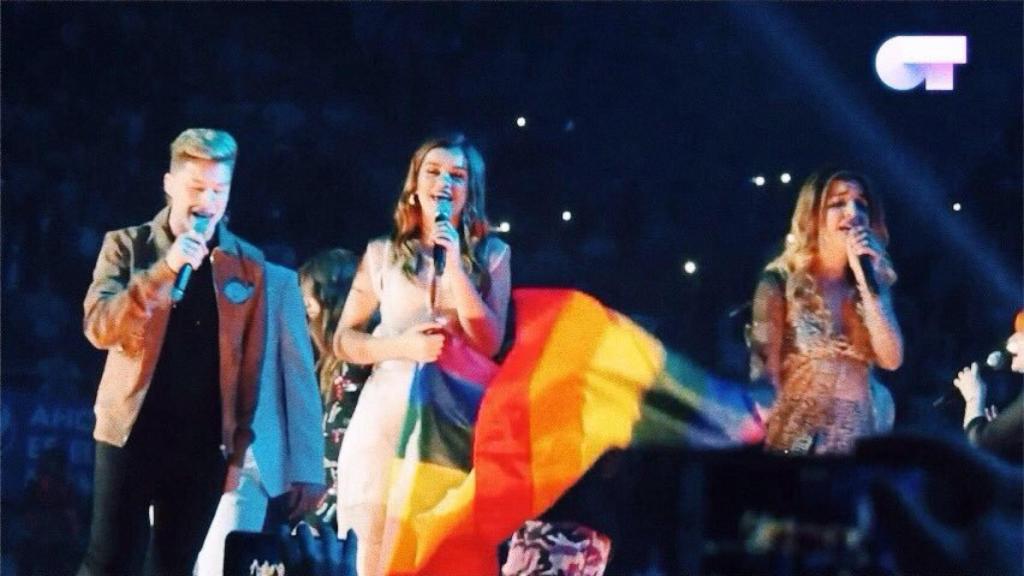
(126, 312)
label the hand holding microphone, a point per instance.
(442, 232)
(974, 391)
(186, 254)
(863, 249)
(969, 384)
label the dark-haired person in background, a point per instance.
(326, 279)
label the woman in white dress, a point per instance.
(441, 206)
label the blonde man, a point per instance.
(175, 404)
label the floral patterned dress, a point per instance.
(347, 382)
(556, 549)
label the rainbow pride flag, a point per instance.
(488, 447)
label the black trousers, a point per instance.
(183, 486)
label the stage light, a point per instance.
(690, 267)
(758, 181)
(504, 227)
(957, 207)
(785, 178)
(521, 122)
(566, 216)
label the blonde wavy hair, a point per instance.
(473, 225)
(801, 246)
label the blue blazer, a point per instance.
(289, 445)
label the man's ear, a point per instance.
(167, 182)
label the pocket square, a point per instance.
(237, 291)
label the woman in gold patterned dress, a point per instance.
(818, 325)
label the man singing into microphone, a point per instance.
(175, 404)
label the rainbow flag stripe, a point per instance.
(580, 379)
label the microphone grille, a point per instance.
(444, 210)
(996, 360)
(200, 223)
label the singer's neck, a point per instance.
(830, 269)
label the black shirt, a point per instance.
(182, 407)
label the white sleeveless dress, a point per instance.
(371, 442)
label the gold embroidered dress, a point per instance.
(824, 399)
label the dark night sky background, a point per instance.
(647, 121)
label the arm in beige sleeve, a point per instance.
(119, 303)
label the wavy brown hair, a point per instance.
(801, 246)
(473, 225)
(329, 276)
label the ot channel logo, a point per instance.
(904, 62)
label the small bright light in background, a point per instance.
(521, 122)
(151, 515)
(566, 216)
(785, 178)
(957, 207)
(504, 227)
(690, 267)
(790, 239)
(758, 181)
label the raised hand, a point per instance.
(188, 248)
(862, 241)
(447, 236)
(970, 384)
(307, 554)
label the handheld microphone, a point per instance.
(996, 360)
(444, 209)
(869, 273)
(199, 225)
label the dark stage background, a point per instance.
(648, 122)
